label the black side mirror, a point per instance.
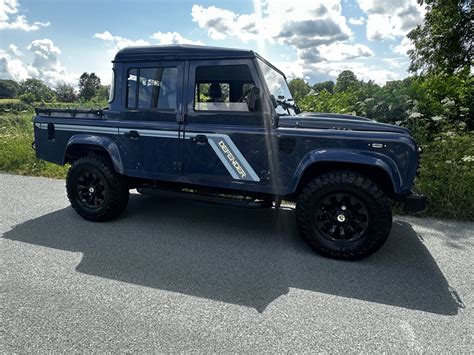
(253, 99)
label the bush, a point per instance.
(447, 175)
(14, 106)
(27, 98)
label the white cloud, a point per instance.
(15, 69)
(14, 49)
(299, 23)
(395, 62)
(357, 21)
(173, 38)
(46, 65)
(119, 42)
(334, 52)
(361, 70)
(11, 20)
(404, 46)
(391, 19)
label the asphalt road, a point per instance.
(176, 275)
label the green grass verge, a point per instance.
(16, 154)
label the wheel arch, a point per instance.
(83, 144)
(382, 171)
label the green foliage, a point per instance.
(8, 89)
(103, 93)
(326, 85)
(36, 90)
(65, 92)
(14, 106)
(299, 88)
(443, 44)
(89, 85)
(27, 98)
(345, 80)
(447, 175)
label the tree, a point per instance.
(65, 92)
(443, 44)
(345, 80)
(38, 90)
(8, 89)
(103, 93)
(299, 88)
(327, 85)
(89, 84)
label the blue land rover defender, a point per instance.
(220, 125)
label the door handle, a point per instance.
(200, 139)
(132, 134)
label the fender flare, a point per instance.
(368, 158)
(105, 143)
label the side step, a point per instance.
(196, 196)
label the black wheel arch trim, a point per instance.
(86, 142)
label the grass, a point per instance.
(16, 154)
(9, 101)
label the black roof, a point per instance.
(182, 51)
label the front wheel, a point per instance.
(95, 190)
(343, 215)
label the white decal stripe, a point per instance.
(170, 134)
(240, 157)
(223, 159)
(151, 133)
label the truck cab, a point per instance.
(204, 122)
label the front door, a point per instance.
(225, 142)
(149, 127)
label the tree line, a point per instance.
(34, 90)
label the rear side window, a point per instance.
(152, 88)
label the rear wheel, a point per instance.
(95, 190)
(343, 215)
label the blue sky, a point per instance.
(58, 40)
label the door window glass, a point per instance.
(222, 88)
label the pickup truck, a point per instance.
(220, 125)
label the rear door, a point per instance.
(225, 143)
(149, 125)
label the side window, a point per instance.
(152, 88)
(222, 88)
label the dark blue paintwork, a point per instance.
(313, 138)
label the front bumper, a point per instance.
(415, 202)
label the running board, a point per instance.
(195, 196)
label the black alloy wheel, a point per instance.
(341, 217)
(91, 189)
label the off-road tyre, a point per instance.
(310, 211)
(115, 188)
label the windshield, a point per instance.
(278, 89)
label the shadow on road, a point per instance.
(237, 256)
